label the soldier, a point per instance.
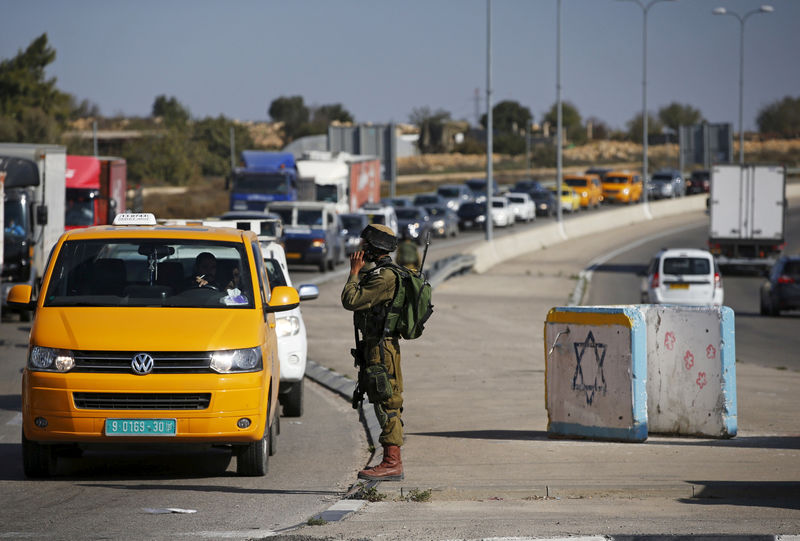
(368, 297)
(408, 254)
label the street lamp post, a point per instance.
(645, 10)
(742, 19)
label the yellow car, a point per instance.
(152, 334)
(588, 188)
(622, 187)
(570, 200)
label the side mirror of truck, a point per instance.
(41, 215)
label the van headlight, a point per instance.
(51, 360)
(236, 360)
(287, 326)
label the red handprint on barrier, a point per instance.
(688, 360)
(669, 340)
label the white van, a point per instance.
(683, 276)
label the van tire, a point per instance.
(252, 460)
(38, 461)
(293, 400)
(274, 430)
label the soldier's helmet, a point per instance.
(380, 236)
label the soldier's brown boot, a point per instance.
(390, 469)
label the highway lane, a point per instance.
(107, 493)
(762, 340)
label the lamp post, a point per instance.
(645, 10)
(489, 127)
(742, 19)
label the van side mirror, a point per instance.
(41, 215)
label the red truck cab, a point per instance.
(95, 190)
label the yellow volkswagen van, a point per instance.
(588, 188)
(152, 334)
(622, 187)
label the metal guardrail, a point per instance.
(448, 267)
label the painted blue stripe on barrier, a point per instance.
(637, 433)
(728, 359)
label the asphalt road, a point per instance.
(120, 494)
(762, 340)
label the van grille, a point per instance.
(164, 362)
(142, 401)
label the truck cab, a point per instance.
(265, 177)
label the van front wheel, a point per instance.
(252, 460)
(38, 461)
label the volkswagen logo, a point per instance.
(142, 364)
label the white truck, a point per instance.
(36, 201)
(346, 180)
(747, 207)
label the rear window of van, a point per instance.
(687, 265)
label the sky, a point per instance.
(381, 59)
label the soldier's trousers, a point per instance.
(389, 412)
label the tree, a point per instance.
(212, 136)
(31, 105)
(431, 128)
(571, 121)
(324, 115)
(781, 118)
(171, 110)
(293, 113)
(654, 126)
(600, 130)
(509, 117)
(675, 115)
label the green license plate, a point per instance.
(140, 427)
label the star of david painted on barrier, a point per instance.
(578, 381)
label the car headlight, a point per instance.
(51, 360)
(318, 243)
(438, 224)
(625, 191)
(481, 218)
(452, 204)
(236, 360)
(287, 326)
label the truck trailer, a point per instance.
(747, 208)
(343, 179)
(96, 189)
(34, 202)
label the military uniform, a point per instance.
(368, 296)
(408, 255)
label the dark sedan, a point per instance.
(545, 202)
(472, 215)
(414, 223)
(781, 291)
(443, 221)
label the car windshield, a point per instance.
(407, 214)
(376, 219)
(426, 199)
(267, 183)
(309, 217)
(516, 199)
(436, 211)
(150, 272)
(687, 265)
(352, 223)
(448, 192)
(471, 208)
(327, 192)
(498, 204)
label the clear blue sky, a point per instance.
(382, 58)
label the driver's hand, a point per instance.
(356, 262)
(201, 281)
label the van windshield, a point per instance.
(687, 265)
(152, 273)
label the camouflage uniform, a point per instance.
(408, 255)
(368, 296)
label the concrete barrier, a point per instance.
(595, 372)
(691, 370)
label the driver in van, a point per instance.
(205, 270)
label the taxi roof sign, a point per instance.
(135, 218)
